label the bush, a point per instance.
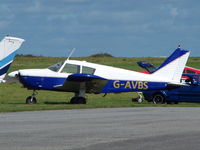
(27, 55)
(101, 55)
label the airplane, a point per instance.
(150, 67)
(8, 49)
(81, 77)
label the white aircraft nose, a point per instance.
(13, 74)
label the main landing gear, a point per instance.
(31, 99)
(79, 97)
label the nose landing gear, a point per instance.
(31, 99)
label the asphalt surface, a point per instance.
(102, 129)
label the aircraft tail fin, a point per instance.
(172, 68)
(8, 50)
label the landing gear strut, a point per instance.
(79, 97)
(31, 99)
(139, 99)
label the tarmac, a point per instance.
(155, 128)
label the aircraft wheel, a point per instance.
(73, 100)
(31, 100)
(158, 99)
(78, 100)
(81, 100)
(139, 100)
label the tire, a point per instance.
(158, 99)
(31, 100)
(73, 100)
(81, 100)
(138, 100)
(78, 100)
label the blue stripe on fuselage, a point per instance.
(117, 86)
(42, 83)
(112, 86)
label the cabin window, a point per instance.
(70, 68)
(56, 67)
(88, 70)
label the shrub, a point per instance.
(101, 55)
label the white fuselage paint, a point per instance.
(107, 72)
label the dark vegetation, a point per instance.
(101, 55)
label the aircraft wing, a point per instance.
(92, 83)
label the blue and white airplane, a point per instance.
(82, 77)
(8, 49)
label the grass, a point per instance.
(12, 96)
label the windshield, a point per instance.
(56, 67)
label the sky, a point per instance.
(122, 28)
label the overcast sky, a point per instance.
(123, 28)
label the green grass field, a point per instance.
(12, 96)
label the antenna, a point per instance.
(70, 54)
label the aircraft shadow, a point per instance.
(56, 102)
(12, 103)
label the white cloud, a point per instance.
(61, 16)
(36, 6)
(116, 16)
(174, 12)
(6, 12)
(76, 1)
(6, 16)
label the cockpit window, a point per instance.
(56, 67)
(70, 68)
(88, 70)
